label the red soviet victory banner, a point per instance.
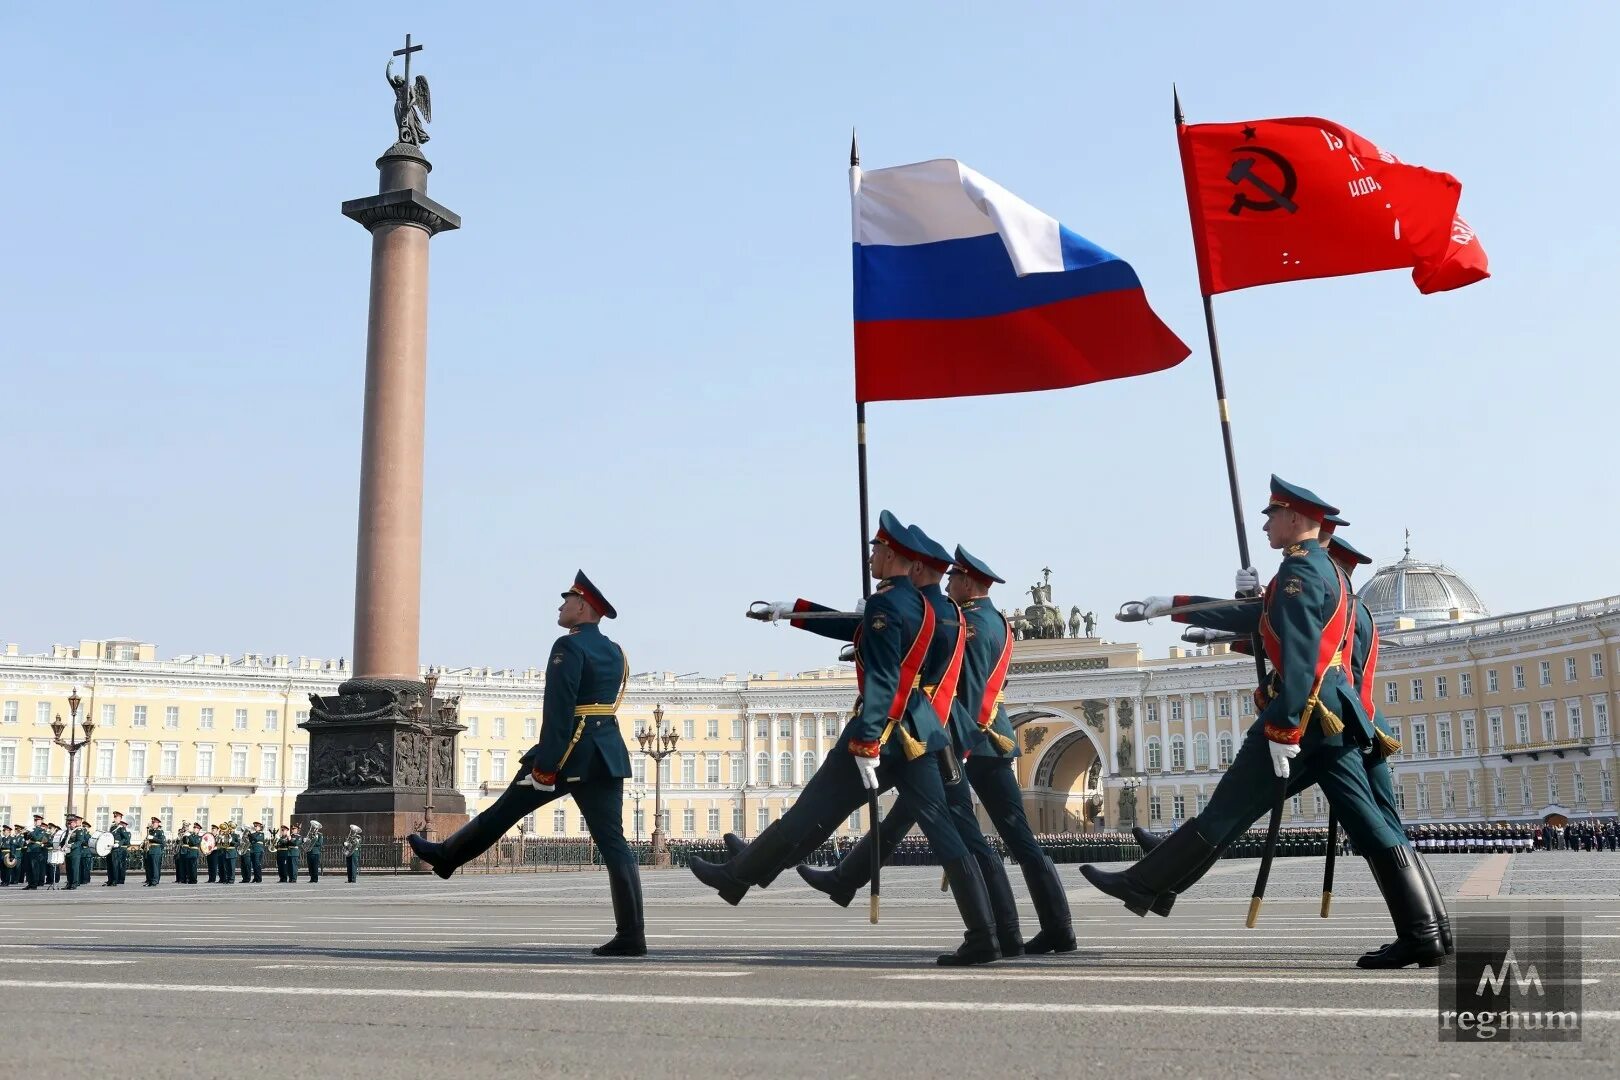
(1300, 197)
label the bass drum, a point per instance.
(104, 844)
(208, 842)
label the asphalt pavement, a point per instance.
(479, 976)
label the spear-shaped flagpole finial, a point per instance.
(1176, 96)
(854, 149)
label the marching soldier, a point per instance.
(314, 845)
(255, 854)
(892, 739)
(351, 853)
(981, 732)
(117, 858)
(581, 753)
(1309, 711)
(155, 839)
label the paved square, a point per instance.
(411, 976)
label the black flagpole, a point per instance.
(860, 406)
(1275, 823)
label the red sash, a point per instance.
(997, 679)
(1368, 672)
(909, 667)
(945, 689)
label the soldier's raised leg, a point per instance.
(517, 802)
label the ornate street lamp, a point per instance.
(69, 744)
(658, 744)
(636, 795)
(423, 714)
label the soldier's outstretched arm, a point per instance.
(837, 629)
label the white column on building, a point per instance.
(1111, 766)
(1139, 731)
(1209, 726)
(821, 737)
(1237, 722)
(748, 749)
(770, 766)
(1164, 733)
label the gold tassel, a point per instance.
(909, 745)
(1000, 741)
(1387, 744)
(1325, 718)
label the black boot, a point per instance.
(828, 881)
(760, 860)
(465, 844)
(1051, 908)
(1009, 938)
(1157, 872)
(1416, 917)
(1167, 900)
(973, 903)
(1145, 840)
(431, 853)
(629, 926)
(1439, 906)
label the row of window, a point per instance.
(205, 761)
(1549, 732)
(1493, 682)
(1224, 745)
(135, 817)
(1448, 792)
(108, 716)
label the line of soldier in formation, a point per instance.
(929, 722)
(43, 854)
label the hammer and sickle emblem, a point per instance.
(1242, 171)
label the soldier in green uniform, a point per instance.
(77, 868)
(1310, 711)
(286, 856)
(351, 853)
(581, 753)
(34, 849)
(117, 858)
(188, 854)
(10, 857)
(256, 844)
(982, 734)
(314, 845)
(155, 839)
(892, 739)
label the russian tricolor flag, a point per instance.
(963, 289)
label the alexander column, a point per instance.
(368, 762)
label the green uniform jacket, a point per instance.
(585, 669)
(256, 838)
(156, 839)
(317, 844)
(122, 836)
(889, 625)
(987, 636)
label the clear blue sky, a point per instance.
(640, 341)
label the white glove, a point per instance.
(530, 781)
(1154, 606)
(868, 768)
(780, 609)
(860, 606)
(1248, 582)
(1203, 635)
(1281, 754)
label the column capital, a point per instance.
(405, 206)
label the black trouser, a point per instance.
(995, 781)
(227, 867)
(154, 865)
(256, 864)
(213, 866)
(36, 867)
(116, 861)
(600, 799)
(354, 866)
(313, 862)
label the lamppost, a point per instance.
(658, 744)
(72, 747)
(423, 715)
(637, 795)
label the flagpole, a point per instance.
(1273, 826)
(860, 406)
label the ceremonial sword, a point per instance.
(1202, 605)
(760, 609)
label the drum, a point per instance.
(208, 843)
(56, 857)
(104, 844)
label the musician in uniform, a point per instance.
(187, 855)
(313, 845)
(78, 852)
(892, 739)
(118, 857)
(581, 753)
(255, 853)
(9, 860)
(988, 768)
(1309, 710)
(37, 841)
(286, 856)
(212, 857)
(155, 839)
(351, 853)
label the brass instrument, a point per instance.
(10, 858)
